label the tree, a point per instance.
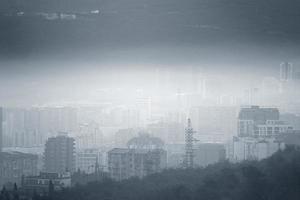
(15, 192)
(51, 190)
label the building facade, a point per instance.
(31, 127)
(59, 154)
(125, 163)
(258, 130)
(40, 183)
(14, 165)
(260, 122)
(143, 156)
(89, 160)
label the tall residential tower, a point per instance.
(60, 154)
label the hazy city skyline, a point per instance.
(149, 99)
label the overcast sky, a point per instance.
(44, 44)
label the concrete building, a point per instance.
(208, 153)
(31, 127)
(89, 136)
(286, 71)
(40, 183)
(258, 129)
(260, 122)
(126, 163)
(246, 148)
(13, 165)
(144, 156)
(88, 160)
(60, 154)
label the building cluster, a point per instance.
(138, 140)
(40, 183)
(143, 156)
(258, 132)
(60, 154)
(15, 165)
(31, 127)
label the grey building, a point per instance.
(144, 156)
(60, 154)
(209, 153)
(260, 122)
(14, 165)
(125, 163)
(40, 183)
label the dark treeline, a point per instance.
(277, 177)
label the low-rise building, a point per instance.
(208, 153)
(125, 163)
(143, 156)
(87, 160)
(14, 165)
(246, 148)
(60, 154)
(40, 183)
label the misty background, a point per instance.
(70, 48)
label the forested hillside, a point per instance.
(277, 177)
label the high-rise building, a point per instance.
(258, 129)
(31, 127)
(249, 148)
(260, 122)
(40, 184)
(286, 71)
(60, 154)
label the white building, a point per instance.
(40, 183)
(143, 156)
(125, 163)
(88, 160)
(247, 148)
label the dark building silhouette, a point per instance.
(144, 156)
(40, 183)
(254, 119)
(13, 165)
(60, 154)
